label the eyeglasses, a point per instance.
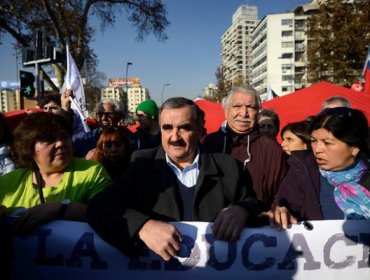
(110, 144)
(105, 114)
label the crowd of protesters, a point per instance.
(129, 186)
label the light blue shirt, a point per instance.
(189, 175)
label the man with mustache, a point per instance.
(240, 137)
(178, 181)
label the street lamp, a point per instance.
(165, 85)
(127, 65)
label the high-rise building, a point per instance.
(279, 52)
(129, 92)
(116, 93)
(135, 96)
(236, 45)
(273, 54)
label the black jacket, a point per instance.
(149, 190)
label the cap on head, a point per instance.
(149, 107)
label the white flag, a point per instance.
(73, 81)
(270, 94)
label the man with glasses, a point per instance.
(109, 113)
(240, 137)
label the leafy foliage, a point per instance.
(67, 21)
(339, 36)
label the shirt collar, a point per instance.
(194, 164)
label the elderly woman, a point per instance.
(332, 181)
(51, 183)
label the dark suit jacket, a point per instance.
(149, 190)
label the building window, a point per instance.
(287, 44)
(287, 21)
(287, 33)
(286, 67)
(287, 89)
(287, 55)
(287, 78)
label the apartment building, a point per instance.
(129, 92)
(279, 51)
(273, 54)
(114, 92)
(136, 95)
(10, 100)
(236, 45)
(211, 91)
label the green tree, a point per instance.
(339, 36)
(93, 82)
(67, 21)
(222, 85)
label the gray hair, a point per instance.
(117, 106)
(180, 102)
(245, 89)
(340, 99)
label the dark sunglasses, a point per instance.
(106, 114)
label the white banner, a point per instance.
(70, 250)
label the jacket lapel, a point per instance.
(166, 178)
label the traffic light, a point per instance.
(27, 88)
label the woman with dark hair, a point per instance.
(113, 151)
(295, 136)
(332, 181)
(50, 184)
(6, 138)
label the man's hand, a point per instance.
(229, 223)
(64, 100)
(280, 217)
(162, 238)
(35, 216)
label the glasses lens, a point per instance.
(106, 114)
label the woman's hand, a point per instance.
(280, 217)
(35, 216)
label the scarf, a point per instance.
(351, 197)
